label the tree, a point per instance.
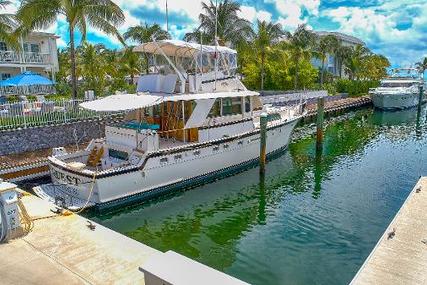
(230, 27)
(300, 45)
(92, 67)
(325, 45)
(422, 66)
(373, 67)
(103, 15)
(8, 26)
(342, 53)
(353, 64)
(144, 34)
(131, 64)
(267, 34)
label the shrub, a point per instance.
(330, 87)
(355, 88)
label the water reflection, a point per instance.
(305, 221)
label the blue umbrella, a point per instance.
(27, 78)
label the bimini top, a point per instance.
(128, 102)
(179, 48)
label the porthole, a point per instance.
(215, 148)
(178, 157)
(196, 152)
(226, 146)
(240, 143)
(163, 160)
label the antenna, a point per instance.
(216, 41)
(167, 16)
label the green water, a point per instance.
(312, 220)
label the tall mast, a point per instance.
(167, 16)
(216, 41)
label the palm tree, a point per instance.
(422, 66)
(342, 53)
(353, 64)
(131, 63)
(145, 33)
(103, 15)
(230, 28)
(8, 25)
(266, 35)
(92, 67)
(326, 45)
(300, 45)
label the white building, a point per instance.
(331, 64)
(39, 54)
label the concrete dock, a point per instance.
(400, 256)
(63, 250)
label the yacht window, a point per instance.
(164, 160)
(216, 109)
(247, 104)
(118, 154)
(231, 106)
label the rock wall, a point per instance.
(30, 139)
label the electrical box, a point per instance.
(9, 199)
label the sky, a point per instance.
(394, 28)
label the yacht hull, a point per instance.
(176, 169)
(394, 101)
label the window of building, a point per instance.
(3, 46)
(28, 47)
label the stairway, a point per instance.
(95, 156)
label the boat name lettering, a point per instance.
(66, 178)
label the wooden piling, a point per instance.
(420, 98)
(320, 118)
(263, 142)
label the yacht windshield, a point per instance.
(397, 84)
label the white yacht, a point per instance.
(192, 121)
(399, 91)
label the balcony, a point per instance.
(13, 57)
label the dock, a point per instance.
(64, 250)
(400, 256)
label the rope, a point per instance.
(89, 196)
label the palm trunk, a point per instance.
(73, 65)
(322, 71)
(296, 74)
(262, 72)
(340, 67)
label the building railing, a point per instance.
(24, 57)
(27, 90)
(35, 113)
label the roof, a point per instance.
(342, 36)
(179, 48)
(127, 102)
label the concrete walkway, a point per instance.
(401, 258)
(63, 250)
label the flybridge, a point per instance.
(197, 68)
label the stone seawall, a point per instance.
(31, 139)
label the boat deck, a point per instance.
(400, 256)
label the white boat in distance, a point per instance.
(191, 121)
(398, 91)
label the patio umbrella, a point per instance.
(26, 78)
(26, 83)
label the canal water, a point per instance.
(313, 219)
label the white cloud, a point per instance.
(377, 26)
(251, 14)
